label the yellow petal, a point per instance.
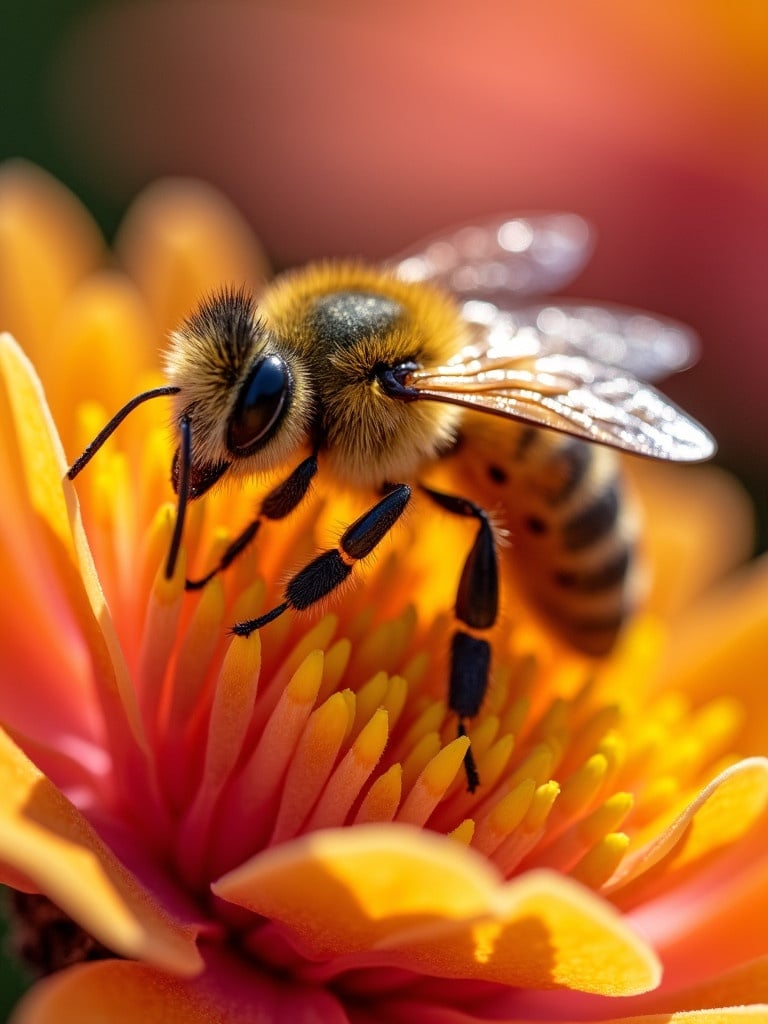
(48, 242)
(100, 349)
(44, 837)
(404, 1012)
(722, 812)
(384, 894)
(721, 1015)
(182, 239)
(124, 993)
(725, 638)
(49, 526)
(698, 523)
(114, 991)
(731, 901)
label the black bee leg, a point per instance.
(279, 503)
(182, 494)
(330, 569)
(477, 603)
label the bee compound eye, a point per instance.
(261, 403)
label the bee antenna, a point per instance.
(106, 432)
(185, 462)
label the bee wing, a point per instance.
(508, 255)
(648, 347)
(571, 394)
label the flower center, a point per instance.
(319, 721)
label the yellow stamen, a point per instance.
(573, 842)
(419, 757)
(607, 818)
(195, 655)
(318, 637)
(542, 803)
(515, 716)
(260, 779)
(539, 765)
(525, 838)
(483, 736)
(369, 697)
(312, 763)
(613, 747)
(655, 799)
(350, 699)
(717, 723)
(336, 662)
(384, 647)
(383, 798)
(234, 696)
(430, 720)
(415, 669)
(463, 832)
(554, 724)
(583, 786)
(395, 698)
(503, 817)
(158, 639)
(433, 782)
(591, 733)
(492, 764)
(351, 774)
(490, 767)
(597, 866)
(249, 602)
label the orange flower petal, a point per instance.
(721, 1015)
(103, 343)
(405, 1012)
(123, 993)
(49, 527)
(684, 510)
(726, 639)
(182, 239)
(44, 837)
(745, 984)
(383, 894)
(735, 904)
(48, 242)
(722, 812)
(114, 991)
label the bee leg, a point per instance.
(182, 492)
(277, 504)
(331, 568)
(477, 603)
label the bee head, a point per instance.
(238, 391)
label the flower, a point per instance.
(277, 827)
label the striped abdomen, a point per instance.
(572, 536)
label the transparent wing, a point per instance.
(572, 394)
(648, 347)
(512, 255)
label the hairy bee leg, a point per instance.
(330, 569)
(477, 605)
(277, 504)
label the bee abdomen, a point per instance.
(573, 537)
(583, 581)
(593, 521)
(573, 531)
(608, 574)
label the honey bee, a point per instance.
(374, 374)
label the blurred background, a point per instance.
(352, 127)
